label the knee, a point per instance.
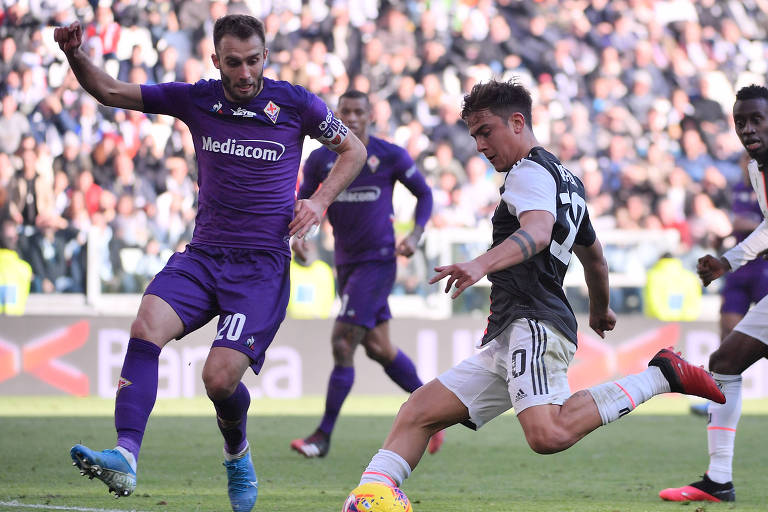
(218, 385)
(343, 351)
(414, 415)
(377, 353)
(549, 439)
(720, 363)
(141, 327)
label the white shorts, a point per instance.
(755, 322)
(525, 365)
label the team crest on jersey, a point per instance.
(373, 163)
(216, 107)
(272, 111)
(243, 112)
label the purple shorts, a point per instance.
(248, 289)
(745, 286)
(364, 288)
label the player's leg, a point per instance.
(398, 366)
(252, 307)
(344, 339)
(429, 409)
(728, 321)
(156, 323)
(538, 362)
(472, 392)
(737, 353)
(356, 285)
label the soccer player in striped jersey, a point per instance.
(747, 343)
(248, 132)
(365, 252)
(531, 334)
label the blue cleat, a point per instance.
(242, 484)
(109, 466)
(700, 409)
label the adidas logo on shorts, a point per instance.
(520, 395)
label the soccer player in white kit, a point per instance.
(530, 339)
(748, 341)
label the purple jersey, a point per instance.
(745, 205)
(748, 283)
(362, 215)
(248, 156)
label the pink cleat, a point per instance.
(435, 442)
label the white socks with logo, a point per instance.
(721, 430)
(620, 397)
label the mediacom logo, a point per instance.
(268, 150)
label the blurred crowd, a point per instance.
(634, 96)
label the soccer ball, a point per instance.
(377, 497)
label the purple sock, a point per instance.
(136, 393)
(232, 417)
(402, 371)
(339, 385)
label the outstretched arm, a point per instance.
(601, 317)
(309, 212)
(534, 235)
(96, 81)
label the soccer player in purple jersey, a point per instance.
(539, 224)
(364, 254)
(248, 131)
(747, 343)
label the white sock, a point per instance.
(128, 456)
(620, 397)
(386, 467)
(721, 430)
(229, 457)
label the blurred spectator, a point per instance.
(13, 124)
(15, 273)
(635, 96)
(51, 253)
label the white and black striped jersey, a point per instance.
(534, 288)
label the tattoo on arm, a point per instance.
(526, 243)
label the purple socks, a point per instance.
(339, 385)
(232, 416)
(403, 373)
(136, 393)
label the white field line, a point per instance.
(39, 506)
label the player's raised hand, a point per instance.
(69, 38)
(307, 215)
(710, 268)
(462, 275)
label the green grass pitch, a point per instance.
(618, 468)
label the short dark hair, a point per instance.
(354, 94)
(241, 26)
(501, 98)
(752, 92)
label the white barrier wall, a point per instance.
(42, 355)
